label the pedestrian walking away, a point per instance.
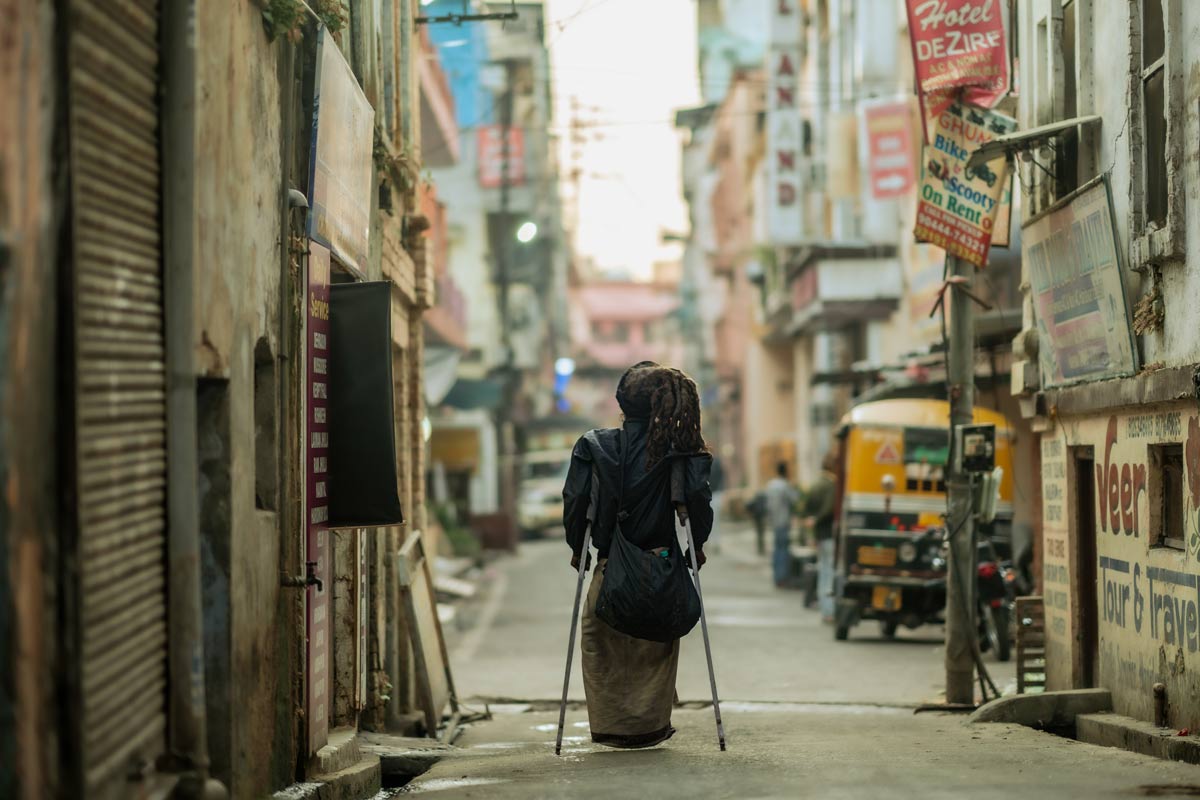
(716, 481)
(651, 471)
(757, 507)
(819, 516)
(781, 498)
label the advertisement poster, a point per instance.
(316, 503)
(1078, 294)
(784, 124)
(957, 207)
(958, 43)
(960, 52)
(491, 156)
(342, 159)
(891, 168)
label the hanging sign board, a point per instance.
(340, 180)
(784, 125)
(960, 52)
(957, 207)
(887, 128)
(1078, 295)
(491, 156)
(316, 494)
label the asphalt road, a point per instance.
(805, 716)
(766, 646)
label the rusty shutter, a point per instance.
(120, 389)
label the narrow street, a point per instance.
(804, 715)
(767, 647)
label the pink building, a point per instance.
(615, 324)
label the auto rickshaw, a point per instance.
(891, 565)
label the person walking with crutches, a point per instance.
(624, 491)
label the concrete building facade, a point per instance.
(153, 217)
(1120, 435)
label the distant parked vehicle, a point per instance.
(892, 494)
(540, 504)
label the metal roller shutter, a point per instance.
(120, 388)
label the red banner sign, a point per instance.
(890, 164)
(316, 496)
(492, 156)
(957, 43)
(959, 52)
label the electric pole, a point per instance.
(508, 488)
(960, 520)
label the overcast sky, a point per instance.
(629, 64)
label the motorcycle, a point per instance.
(995, 595)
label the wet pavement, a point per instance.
(805, 716)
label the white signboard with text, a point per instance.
(784, 124)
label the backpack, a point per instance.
(646, 595)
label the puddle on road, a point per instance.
(498, 745)
(733, 620)
(442, 784)
(812, 708)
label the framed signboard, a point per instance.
(1078, 293)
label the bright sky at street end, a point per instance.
(628, 64)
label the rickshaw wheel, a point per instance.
(888, 628)
(841, 632)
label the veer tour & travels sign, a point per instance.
(784, 220)
(956, 206)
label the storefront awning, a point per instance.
(1024, 140)
(470, 393)
(455, 449)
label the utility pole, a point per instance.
(960, 521)
(508, 488)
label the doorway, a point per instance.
(1083, 518)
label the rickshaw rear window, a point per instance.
(926, 446)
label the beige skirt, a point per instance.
(630, 683)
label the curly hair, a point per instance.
(674, 406)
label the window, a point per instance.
(1154, 112)
(1157, 122)
(1166, 496)
(266, 475)
(1067, 158)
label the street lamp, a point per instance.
(527, 232)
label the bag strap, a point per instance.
(622, 453)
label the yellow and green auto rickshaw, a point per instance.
(892, 495)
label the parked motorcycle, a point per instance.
(995, 601)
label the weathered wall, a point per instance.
(1148, 596)
(238, 185)
(28, 502)
(769, 406)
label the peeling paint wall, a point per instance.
(29, 500)
(237, 291)
(1147, 595)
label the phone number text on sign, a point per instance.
(957, 206)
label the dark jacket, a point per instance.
(818, 504)
(647, 496)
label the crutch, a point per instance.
(584, 557)
(712, 678)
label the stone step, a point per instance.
(1115, 730)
